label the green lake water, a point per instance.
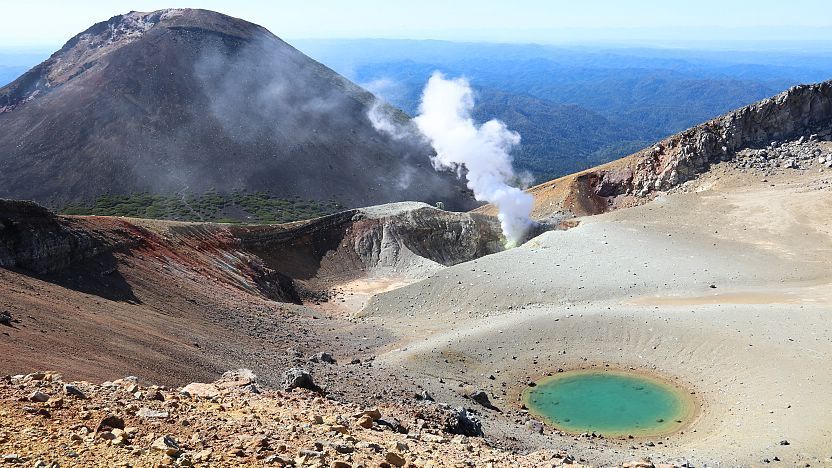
(610, 403)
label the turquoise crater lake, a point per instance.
(611, 403)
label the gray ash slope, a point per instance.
(184, 101)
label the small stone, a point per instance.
(465, 423)
(203, 455)
(424, 396)
(398, 446)
(55, 402)
(534, 426)
(343, 448)
(460, 440)
(338, 428)
(38, 397)
(72, 390)
(481, 397)
(277, 460)
(149, 413)
(111, 422)
(785, 442)
(394, 459)
(165, 444)
(326, 358)
(393, 424)
(311, 453)
(203, 390)
(373, 413)
(365, 421)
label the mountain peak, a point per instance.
(191, 101)
(83, 51)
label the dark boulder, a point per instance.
(299, 378)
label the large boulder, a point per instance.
(298, 378)
(462, 422)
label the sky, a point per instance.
(49, 23)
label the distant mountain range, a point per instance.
(192, 102)
(576, 107)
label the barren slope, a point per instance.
(173, 302)
(187, 101)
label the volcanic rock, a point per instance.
(166, 444)
(462, 422)
(72, 390)
(323, 357)
(481, 397)
(394, 459)
(39, 397)
(365, 421)
(150, 413)
(393, 424)
(298, 378)
(111, 422)
(801, 111)
(534, 426)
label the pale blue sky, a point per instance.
(50, 23)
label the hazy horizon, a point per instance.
(649, 23)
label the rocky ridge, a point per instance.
(400, 239)
(32, 238)
(802, 111)
(407, 239)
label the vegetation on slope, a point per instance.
(258, 207)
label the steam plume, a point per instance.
(483, 151)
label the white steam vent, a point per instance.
(445, 119)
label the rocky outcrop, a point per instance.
(404, 239)
(801, 111)
(33, 239)
(298, 378)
